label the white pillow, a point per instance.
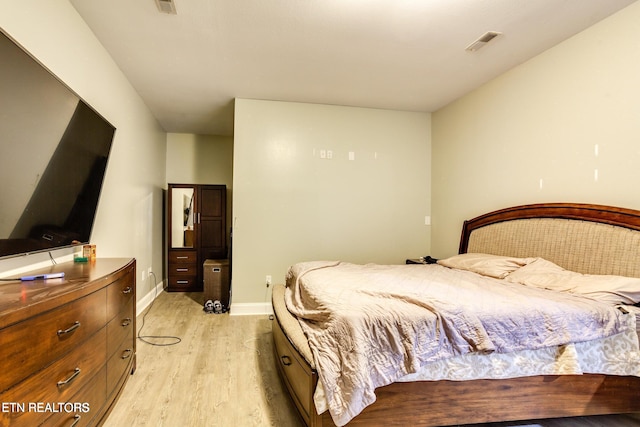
(488, 265)
(605, 288)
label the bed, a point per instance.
(582, 238)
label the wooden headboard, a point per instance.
(593, 239)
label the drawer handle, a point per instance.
(286, 361)
(127, 290)
(182, 269)
(182, 282)
(126, 322)
(76, 420)
(126, 354)
(70, 329)
(72, 377)
(182, 257)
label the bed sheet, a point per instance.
(568, 354)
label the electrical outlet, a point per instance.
(144, 275)
(268, 280)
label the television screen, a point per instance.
(54, 150)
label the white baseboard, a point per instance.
(237, 309)
(146, 300)
(250, 308)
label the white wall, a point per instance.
(129, 219)
(291, 205)
(540, 123)
(201, 159)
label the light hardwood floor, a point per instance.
(222, 373)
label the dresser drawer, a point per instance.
(119, 329)
(89, 401)
(183, 257)
(42, 393)
(183, 270)
(30, 345)
(120, 294)
(120, 364)
(177, 283)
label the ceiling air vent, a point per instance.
(482, 40)
(166, 6)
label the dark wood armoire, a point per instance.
(196, 231)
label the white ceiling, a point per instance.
(391, 54)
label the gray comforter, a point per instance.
(369, 325)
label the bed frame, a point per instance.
(587, 238)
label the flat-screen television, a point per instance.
(54, 151)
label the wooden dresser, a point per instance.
(67, 345)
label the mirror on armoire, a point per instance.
(182, 212)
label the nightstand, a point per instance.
(421, 260)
